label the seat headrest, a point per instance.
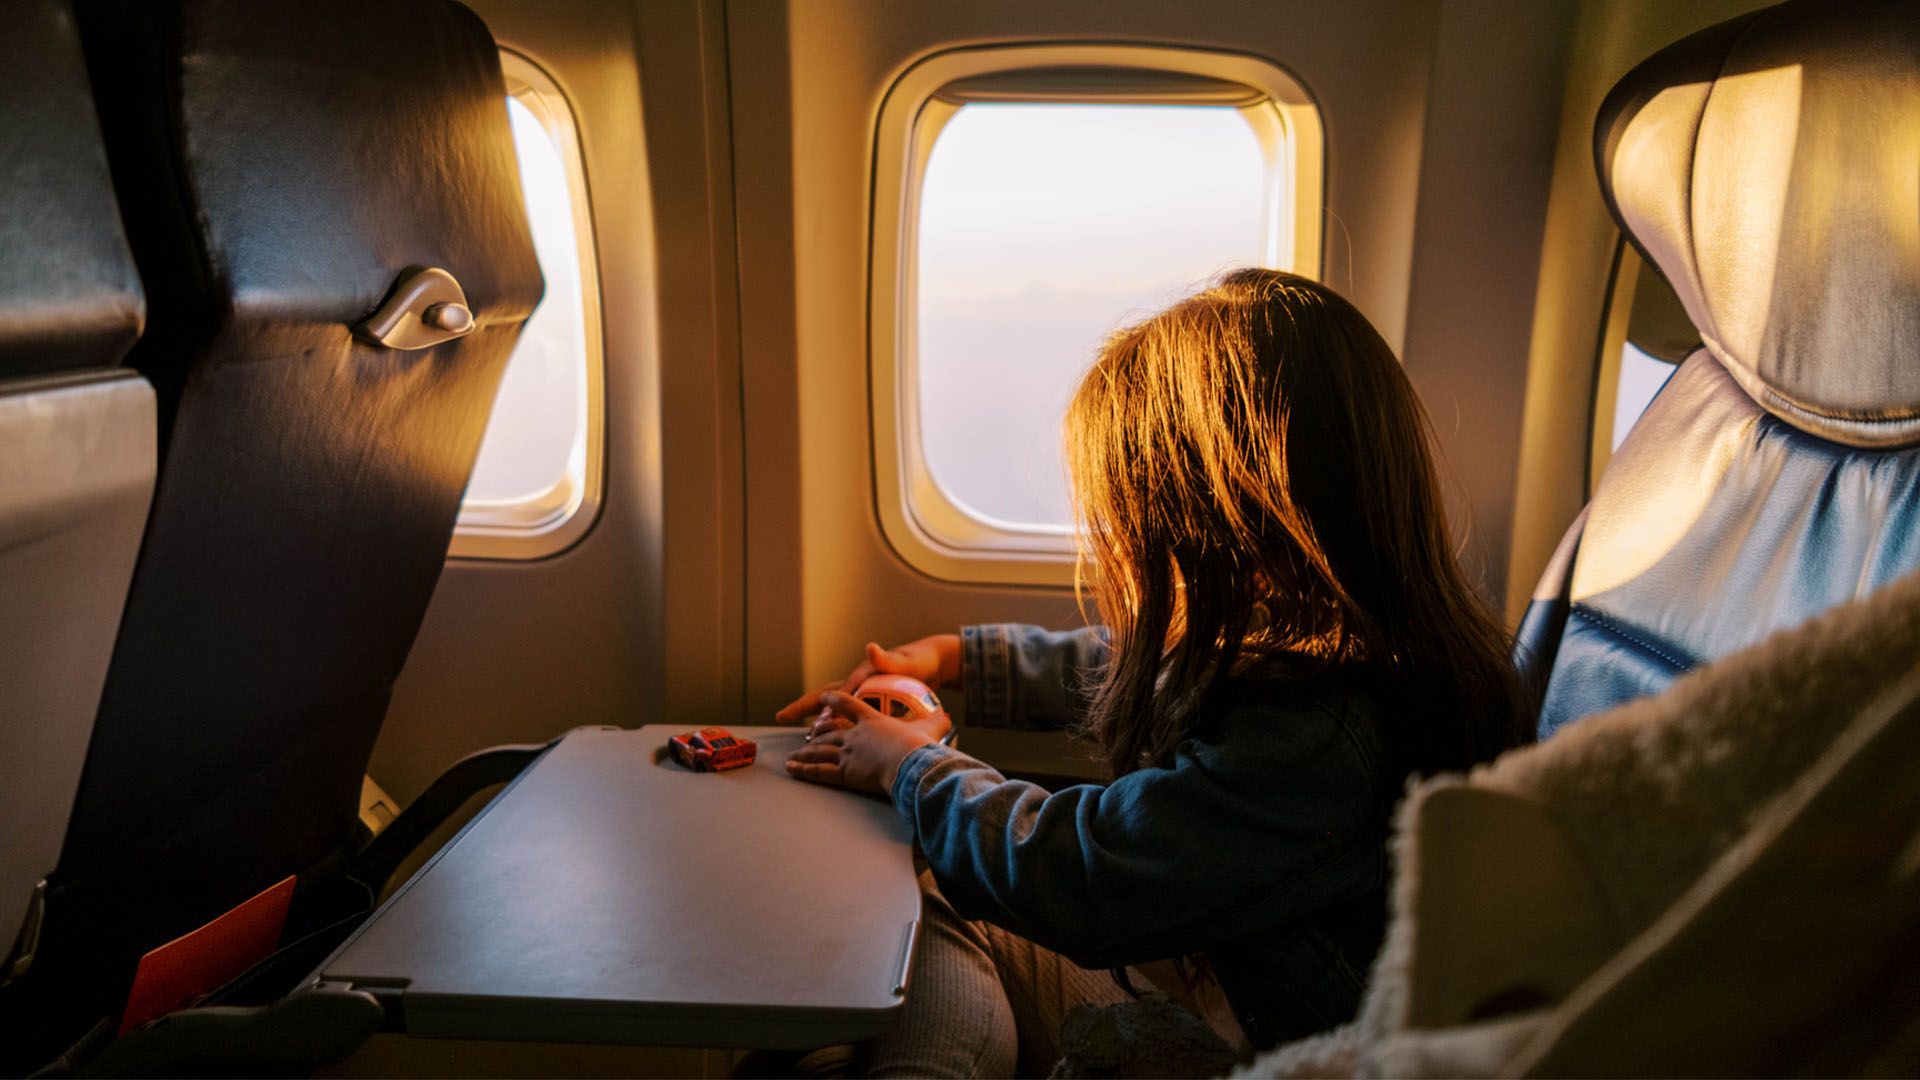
(1770, 167)
(69, 295)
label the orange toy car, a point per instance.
(712, 749)
(898, 696)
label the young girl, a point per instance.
(1289, 638)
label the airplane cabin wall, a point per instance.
(1493, 113)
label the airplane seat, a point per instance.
(77, 447)
(1770, 168)
(325, 205)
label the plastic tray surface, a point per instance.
(610, 895)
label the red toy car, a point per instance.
(712, 749)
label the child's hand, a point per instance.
(934, 660)
(859, 748)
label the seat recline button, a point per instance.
(425, 307)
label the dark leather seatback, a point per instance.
(1770, 167)
(77, 447)
(282, 165)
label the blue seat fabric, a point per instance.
(1717, 524)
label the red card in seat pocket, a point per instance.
(173, 975)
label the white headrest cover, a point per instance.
(1770, 166)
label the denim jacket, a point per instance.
(1262, 845)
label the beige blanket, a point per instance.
(1723, 879)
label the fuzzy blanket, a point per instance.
(1722, 879)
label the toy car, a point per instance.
(712, 749)
(898, 696)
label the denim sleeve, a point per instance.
(1028, 678)
(1164, 861)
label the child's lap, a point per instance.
(986, 1001)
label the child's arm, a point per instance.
(1024, 677)
(1277, 820)
(1010, 675)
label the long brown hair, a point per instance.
(1256, 493)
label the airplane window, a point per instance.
(1646, 336)
(1641, 377)
(1029, 200)
(1043, 228)
(538, 463)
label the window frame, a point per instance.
(1619, 328)
(925, 527)
(555, 519)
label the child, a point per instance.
(1289, 637)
